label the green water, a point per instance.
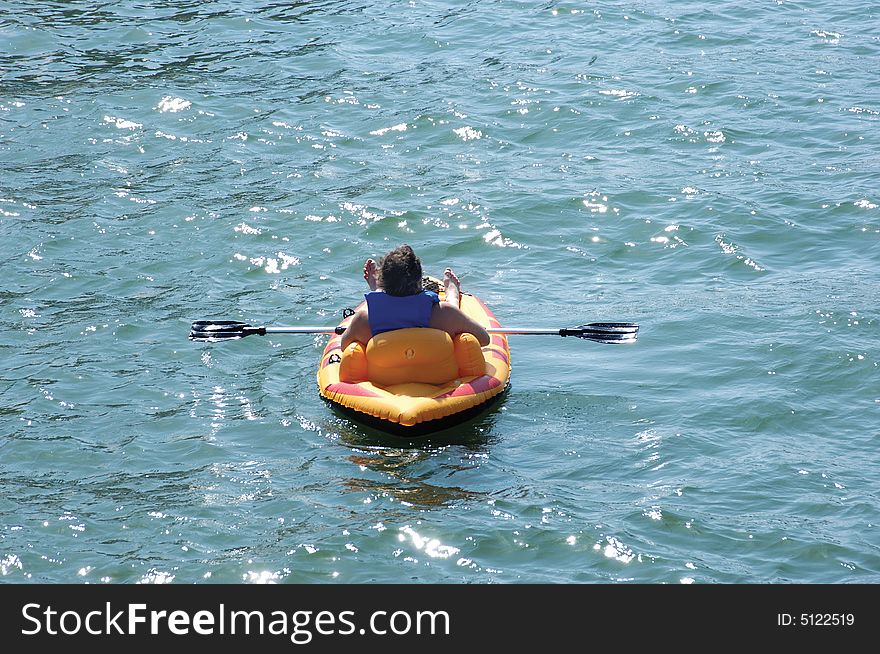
(709, 172)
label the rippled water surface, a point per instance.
(708, 171)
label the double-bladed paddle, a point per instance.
(600, 332)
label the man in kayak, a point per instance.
(396, 301)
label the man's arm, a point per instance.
(358, 330)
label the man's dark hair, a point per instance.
(400, 272)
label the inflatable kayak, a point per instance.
(414, 381)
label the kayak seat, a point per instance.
(421, 355)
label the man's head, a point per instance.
(400, 272)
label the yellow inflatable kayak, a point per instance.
(415, 381)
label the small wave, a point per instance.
(10, 563)
(244, 228)
(732, 249)
(468, 133)
(402, 127)
(121, 123)
(616, 549)
(170, 104)
(275, 266)
(596, 202)
(364, 215)
(622, 94)
(156, 577)
(432, 547)
(495, 237)
(863, 110)
(828, 36)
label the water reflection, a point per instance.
(408, 469)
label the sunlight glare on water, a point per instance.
(707, 172)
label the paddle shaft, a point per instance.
(533, 331)
(304, 330)
(528, 331)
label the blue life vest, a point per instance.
(389, 312)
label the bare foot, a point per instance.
(371, 274)
(452, 287)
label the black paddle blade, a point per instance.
(217, 330)
(615, 333)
